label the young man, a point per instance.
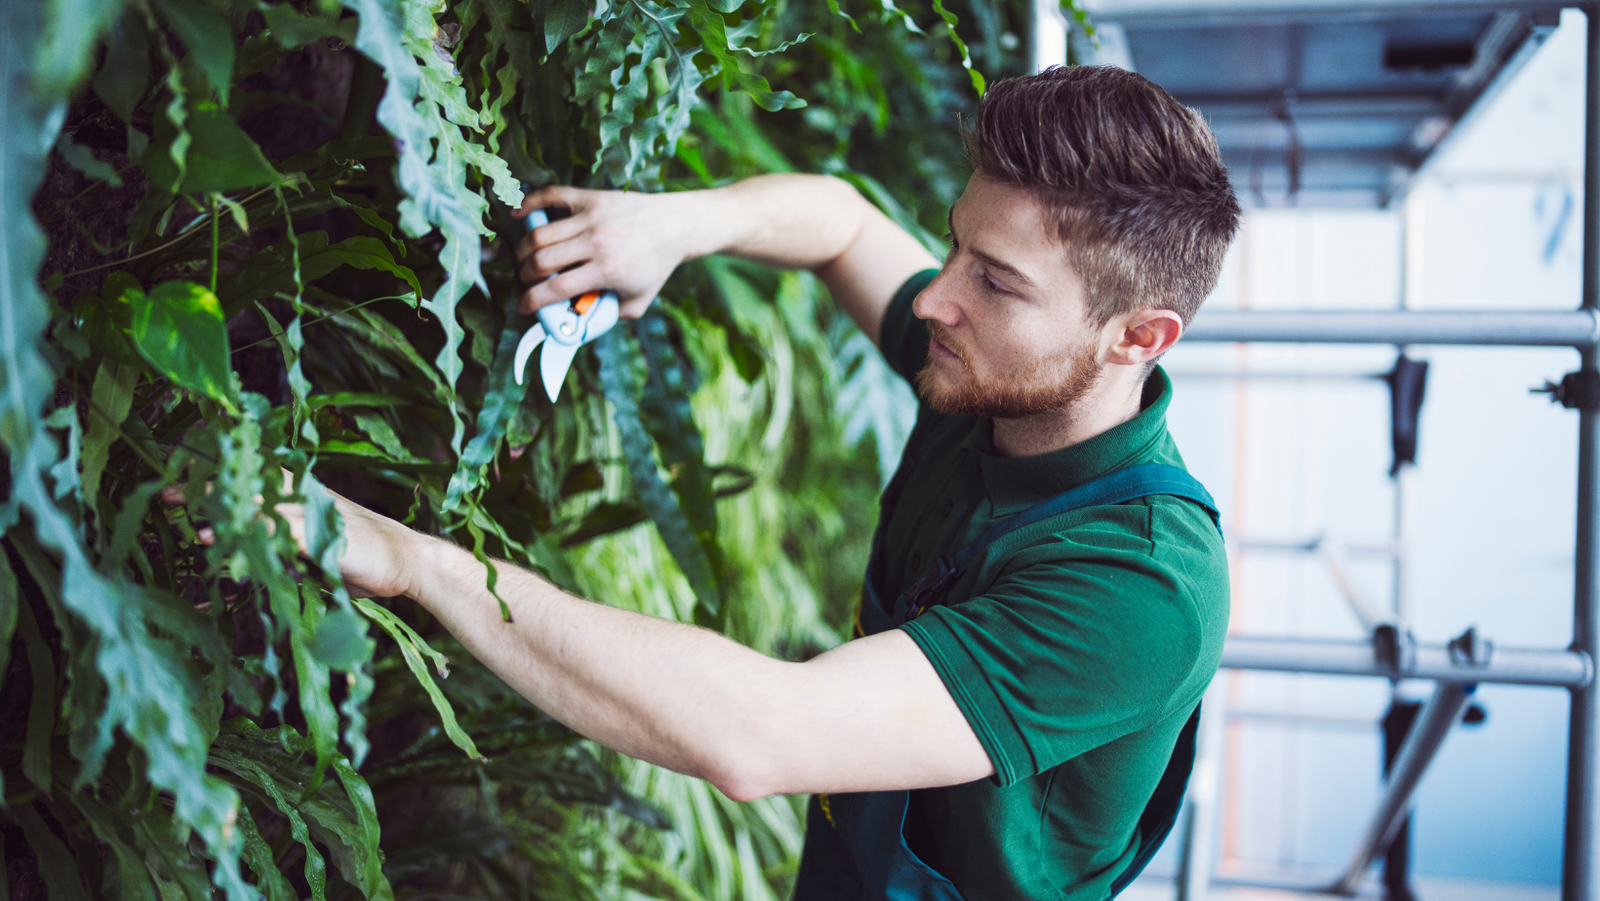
(1003, 735)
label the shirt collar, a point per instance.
(1015, 482)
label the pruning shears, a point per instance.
(563, 328)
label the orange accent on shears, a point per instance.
(582, 304)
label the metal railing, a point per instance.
(1456, 672)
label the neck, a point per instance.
(1113, 400)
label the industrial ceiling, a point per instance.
(1317, 105)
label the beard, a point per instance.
(1048, 385)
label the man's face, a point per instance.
(1007, 315)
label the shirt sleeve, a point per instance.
(1063, 655)
(904, 337)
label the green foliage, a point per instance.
(261, 285)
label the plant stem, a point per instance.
(214, 242)
(183, 237)
(306, 325)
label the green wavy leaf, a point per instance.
(618, 363)
(179, 329)
(413, 648)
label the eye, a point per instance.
(981, 273)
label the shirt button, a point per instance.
(916, 564)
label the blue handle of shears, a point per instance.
(562, 323)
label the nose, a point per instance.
(937, 301)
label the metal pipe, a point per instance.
(1199, 850)
(1522, 328)
(1579, 875)
(1512, 666)
(1433, 724)
(1047, 35)
(1242, 13)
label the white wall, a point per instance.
(1494, 505)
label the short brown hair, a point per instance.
(1132, 178)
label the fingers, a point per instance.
(574, 199)
(551, 234)
(562, 286)
(552, 258)
(633, 309)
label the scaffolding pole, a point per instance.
(1424, 741)
(1512, 328)
(1579, 875)
(1506, 666)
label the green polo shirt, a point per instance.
(1077, 647)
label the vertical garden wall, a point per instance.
(239, 238)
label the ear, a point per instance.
(1142, 335)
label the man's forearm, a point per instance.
(811, 222)
(788, 221)
(665, 692)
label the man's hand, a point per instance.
(379, 554)
(625, 241)
(630, 242)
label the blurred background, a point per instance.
(1360, 207)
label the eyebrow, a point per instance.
(987, 258)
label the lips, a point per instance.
(939, 346)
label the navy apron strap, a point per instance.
(1156, 822)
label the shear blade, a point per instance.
(553, 365)
(530, 339)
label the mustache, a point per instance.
(938, 332)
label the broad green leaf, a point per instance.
(56, 866)
(179, 328)
(70, 30)
(354, 399)
(125, 75)
(207, 34)
(562, 20)
(369, 253)
(293, 30)
(272, 271)
(108, 319)
(110, 400)
(134, 879)
(218, 155)
(875, 399)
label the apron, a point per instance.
(855, 847)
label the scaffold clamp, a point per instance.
(1576, 391)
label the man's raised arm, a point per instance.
(631, 242)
